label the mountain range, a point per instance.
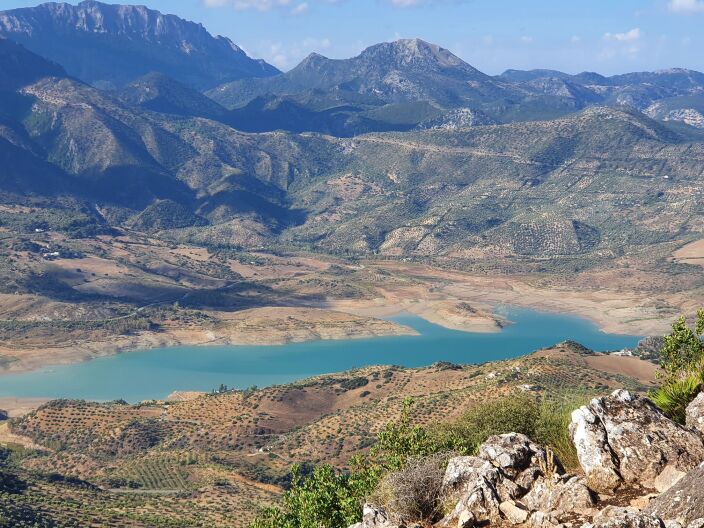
(111, 45)
(422, 155)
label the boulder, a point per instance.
(593, 451)
(684, 501)
(616, 517)
(511, 452)
(514, 512)
(561, 496)
(540, 519)
(480, 503)
(373, 517)
(668, 478)
(624, 438)
(465, 472)
(488, 486)
(695, 413)
(514, 453)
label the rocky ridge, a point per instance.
(111, 45)
(639, 469)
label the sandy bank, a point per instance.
(257, 326)
(614, 310)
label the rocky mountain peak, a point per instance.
(95, 17)
(415, 54)
(111, 45)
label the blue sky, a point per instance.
(607, 36)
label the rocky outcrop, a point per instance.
(625, 439)
(683, 502)
(627, 449)
(374, 517)
(512, 479)
(695, 413)
(561, 494)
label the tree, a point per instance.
(683, 349)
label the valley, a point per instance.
(135, 292)
(216, 276)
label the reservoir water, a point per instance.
(153, 374)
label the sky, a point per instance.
(606, 36)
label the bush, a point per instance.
(326, 499)
(552, 428)
(544, 421)
(354, 383)
(682, 362)
(683, 349)
(512, 414)
(414, 491)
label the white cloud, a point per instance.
(286, 56)
(629, 36)
(300, 9)
(625, 45)
(686, 6)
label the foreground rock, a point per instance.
(683, 502)
(616, 517)
(512, 480)
(625, 439)
(373, 517)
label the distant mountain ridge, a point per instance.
(112, 45)
(345, 97)
(639, 90)
(161, 63)
(461, 186)
(389, 72)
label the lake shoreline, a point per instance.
(268, 326)
(155, 373)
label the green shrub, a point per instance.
(512, 414)
(552, 427)
(682, 362)
(683, 349)
(325, 499)
(544, 421)
(332, 499)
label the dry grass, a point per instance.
(414, 492)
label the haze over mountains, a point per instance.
(460, 164)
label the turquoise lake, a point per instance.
(154, 374)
